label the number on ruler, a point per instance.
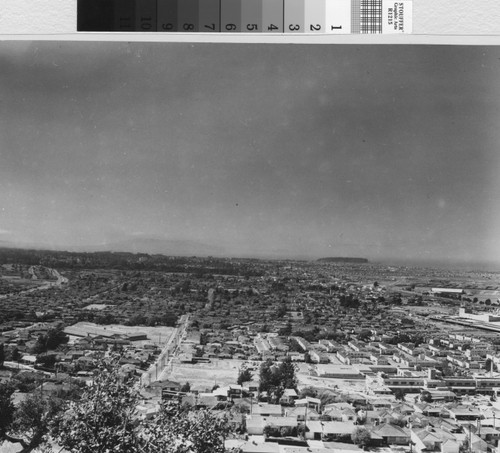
(188, 27)
(210, 27)
(252, 27)
(146, 23)
(230, 27)
(316, 27)
(294, 27)
(272, 27)
(167, 27)
(337, 28)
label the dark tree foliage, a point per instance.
(361, 437)
(266, 375)
(274, 379)
(281, 311)
(29, 423)
(179, 430)
(106, 420)
(6, 408)
(349, 301)
(2, 355)
(54, 338)
(426, 397)
(244, 375)
(364, 335)
(46, 360)
(286, 373)
(103, 420)
(286, 331)
(400, 394)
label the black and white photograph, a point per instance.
(249, 247)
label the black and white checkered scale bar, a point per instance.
(366, 16)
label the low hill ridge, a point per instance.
(343, 260)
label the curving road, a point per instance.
(49, 284)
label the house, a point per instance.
(403, 408)
(349, 415)
(464, 414)
(338, 406)
(165, 389)
(319, 430)
(333, 414)
(234, 391)
(300, 413)
(28, 359)
(392, 434)
(426, 440)
(251, 386)
(478, 444)
(267, 410)
(488, 434)
(202, 400)
(451, 446)
(255, 424)
(427, 409)
(310, 402)
(375, 417)
(289, 397)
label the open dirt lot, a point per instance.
(224, 372)
(205, 375)
(158, 335)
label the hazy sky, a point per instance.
(375, 151)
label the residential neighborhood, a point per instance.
(374, 360)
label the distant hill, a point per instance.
(131, 244)
(164, 247)
(343, 260)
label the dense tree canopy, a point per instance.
(6, 408)
(2, 355)
(244, 375)
(106, 420)
(178, 430)
(274, 379)
(29, 423)
(361, 437)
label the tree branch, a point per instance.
(15, 440)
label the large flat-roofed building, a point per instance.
(448, 292)
(105, 332)
(484, 317)
(337, 372)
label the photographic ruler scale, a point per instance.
(246, 16)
